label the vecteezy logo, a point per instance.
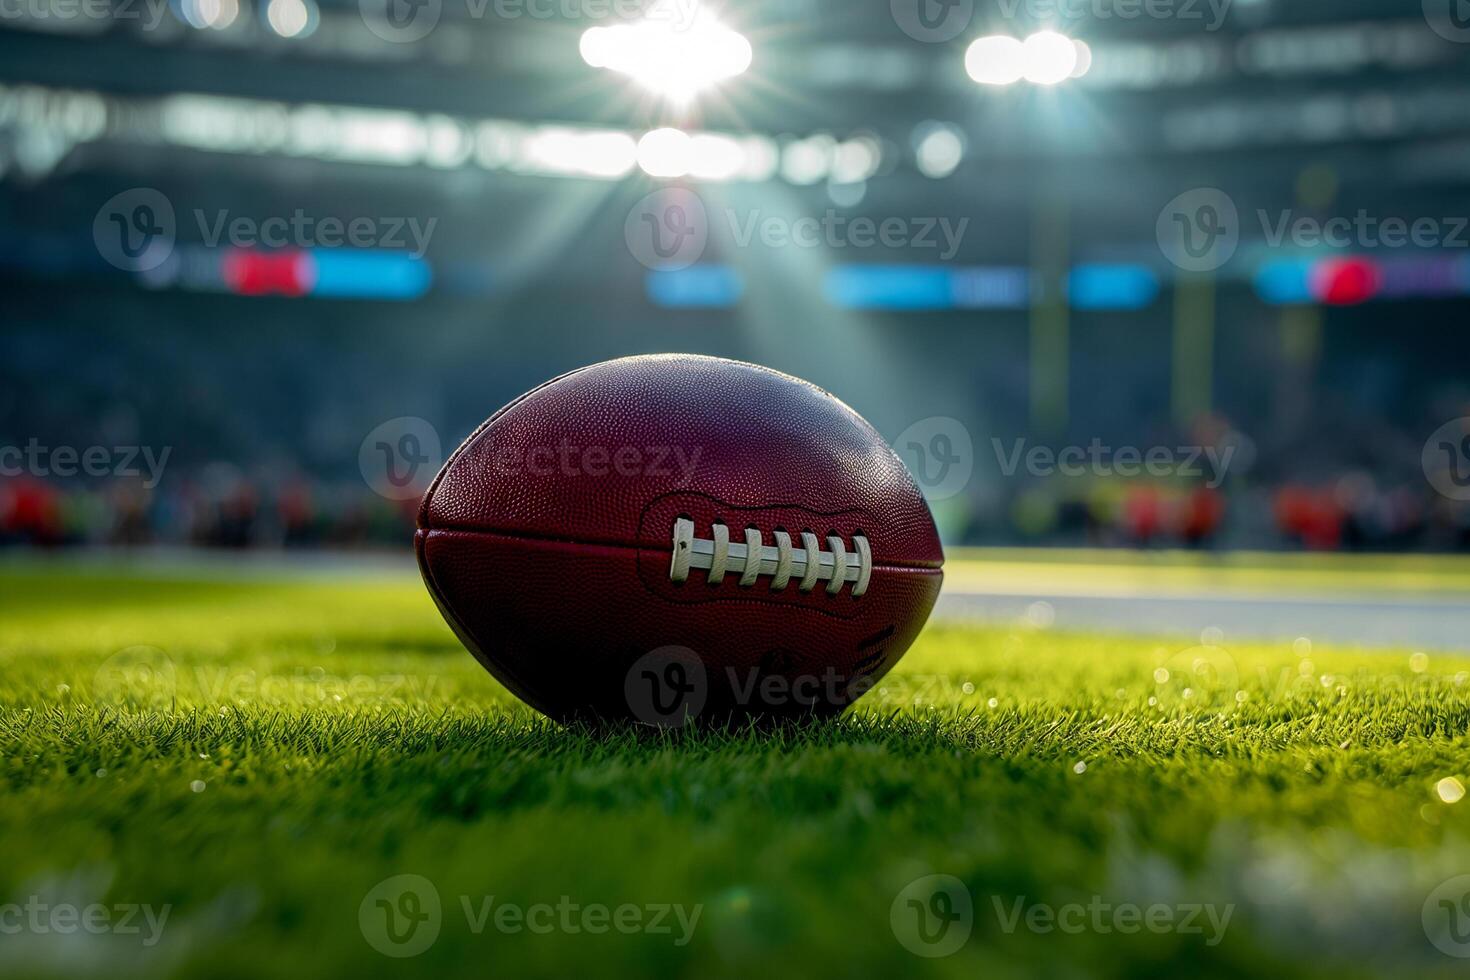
(134, 231)
(668, 230)
(933, 916)
(940, 454)
(401, 916)
(1450, 19)
(1199, 230)
(932, 21)
(1446, 917)
(401, 21)
(400, 457)
(667, 688)
(141, 676)
(1446, 459)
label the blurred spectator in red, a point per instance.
(1143, 513)
(1200, 516)
(30, 512)
(1311, 519)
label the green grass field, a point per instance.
(255, 758)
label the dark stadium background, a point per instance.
(1324, 109)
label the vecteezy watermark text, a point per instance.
(832, 230)
(147, 13)
(933, 916)
(1200, 230)
(1362, 230)
(670, 229)
(39, 917)
(1101, 460)
(65, 462)
(401, 917)
(1104, 917)
(301, 230)
(406, 21)
(137, 229)
(937, 21)
(568, 459)
(570, 917)
(670, 687)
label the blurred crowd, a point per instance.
(222, 508)
(1350, 513)
(237, 512)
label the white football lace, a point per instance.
(809, 564)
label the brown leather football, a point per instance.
(675, 537)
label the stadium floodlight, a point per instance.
(678, 61)
(665, 153)
(210, 14)
(713, 156)
(292, 18)
(995, 60)
(1084, 59)
(1044, 58)
(939, 148)
(1048, 57)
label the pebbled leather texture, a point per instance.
(546, 539)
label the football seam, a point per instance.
(629, 545)
(852, 606)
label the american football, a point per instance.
(739, 538)
(698, 490)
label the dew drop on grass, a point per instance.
(1080, 768)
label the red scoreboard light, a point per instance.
(248, 273)
(1346, 282)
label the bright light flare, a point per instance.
(665, 153)
(995, 60)
(1044, 58)
(210, 14)
(572, 152)
(1084, 60)
(1049, 58)
(292, 18)
(678, 62)
(939, 148)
